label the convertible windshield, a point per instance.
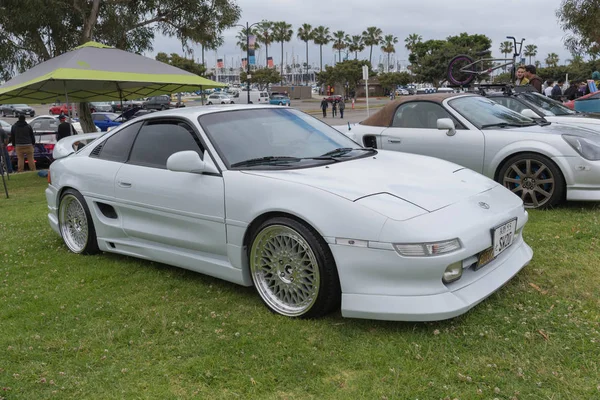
(485, 113)
(276, 137)
(549, 106)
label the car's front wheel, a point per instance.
(293, 269)
(534, 178)
(75, 223)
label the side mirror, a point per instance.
(446, 124)
(190, 161)
(529, 113)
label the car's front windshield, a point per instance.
(484, 113)
(549, 106)
(280, 134)
(112, 116)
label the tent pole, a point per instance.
(67, 99)
(120, 97)
(202, 94)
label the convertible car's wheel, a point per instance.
(534, 178)
(293, 270)
(75, 223)
(209, 103)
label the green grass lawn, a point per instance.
(112, 327)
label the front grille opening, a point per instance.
(107, 210)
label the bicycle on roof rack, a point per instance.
(463, 69)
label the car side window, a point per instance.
(510, 103)
(421, 115)
(158, 140)
(117, 147)
(98, 117)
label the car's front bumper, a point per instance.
(52, 200)
(581, 176)
(454, 301)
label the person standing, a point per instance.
(23, 139)
(521, 80)
(324, 105)
(534, 80)
(64, 128)
(5, 155)
(333, 108)
(556, 92)
(342, 108)
(549, 87)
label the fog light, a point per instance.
(453, 272)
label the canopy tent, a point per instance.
(95, 72)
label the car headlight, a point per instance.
(427, 249)
(587, 148)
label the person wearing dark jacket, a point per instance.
(534, 80)
(23, 139)
(342, 107)
(572, 91)
(64, 129)
(324, 105)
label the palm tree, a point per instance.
(264, 34)
(355, 45)
(305, 33)
(530, 51)
(388, 47)
(339, 43)
(552, 60)
(372, 37)
(321, 37)
(576, 60)
(242, 38)
(282, 32)
(411, 41)
(505, 48)
(538, 64)
(212, 44)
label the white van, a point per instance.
(256, 97)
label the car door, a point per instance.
(414, 130)
(178, 209)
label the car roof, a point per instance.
(384, 116)
(197, 111)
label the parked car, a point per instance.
(105, 120)
(402, 92)
(45, 138)
(280, 99)
(219, 98)
(158, 102)
(542, 162)
(54, 120)
(127, 105)
(386, 235)
(62, 109)
(591, 96)
(256, 97)
(537, 106)
(101, 107)
(14, 110)
(333, 97)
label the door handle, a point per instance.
(394, 141)
(124, 184)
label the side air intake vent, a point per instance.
(370, 141)
(96, 151)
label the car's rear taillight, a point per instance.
(49, 146)
(9, 148)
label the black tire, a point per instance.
(325, 274)
(209, 103)
(280, 103)
(535, 178)
(455, 77)
(162, 108)
(91, 243)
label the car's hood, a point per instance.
(429, 183)
(577, 120)
(555, 128)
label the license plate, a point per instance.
(502, 237)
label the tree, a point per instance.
(305, 33)
(530, 51)
(282, 33)
(322, 38)
(388, 47)
(263, 77)
(412, 40)
(349, 71)
(372, 37)
(356, 44)
(430, 59)
(390, 80)
(506, 48)
(181, 62)
(339, 43)
(264, 35)
(32, 32)
(242, 39)
(580, 18)
(552, 60)
(538, 63)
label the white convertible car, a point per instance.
(275, 198)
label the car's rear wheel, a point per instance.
(293, 269)
(280, 103)
(75, 223)
(534, 178)
(209, 103)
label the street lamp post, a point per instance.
(248, 56)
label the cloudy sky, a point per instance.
(534, 20)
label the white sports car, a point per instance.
(274, 198)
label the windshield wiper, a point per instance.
(342, 151)
(266, 161)
(503, 125)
